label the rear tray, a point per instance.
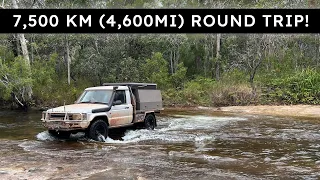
(149, 99)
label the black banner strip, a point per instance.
(160, 20)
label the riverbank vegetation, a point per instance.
(190, 69)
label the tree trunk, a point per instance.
(177, 57)
(218, 57)
(22, 40)
(174, 62)
(68, 57)
(25, 54)
(24, 49)
(14, 4)
(17, 41)
(254, 71)
(171, 62)
(32, 53)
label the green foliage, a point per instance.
(183, 66)
(198, 91)
(179, 77)
(228, 94)
(235, 76)
(301, 87)
(49, 89)
(61, 92)
(16, 75)
(172, 97)
(156, 70)
(128, 71)
(5, 88)
(195, 60)
(207, 92)
(43, 75)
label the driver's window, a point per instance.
(120, 95)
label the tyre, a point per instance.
(97, 129)
(150, 121)
(60, 134)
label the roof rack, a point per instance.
(134, 85)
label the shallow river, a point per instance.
(183, 146)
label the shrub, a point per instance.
(207, 92)
(197, 91)
(233, 94)
(156, 70)
(301, 87)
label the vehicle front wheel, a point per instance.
(150, 121)
(60, 134)
(98, 130)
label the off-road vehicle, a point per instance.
(108, 106)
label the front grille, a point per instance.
(59, 116)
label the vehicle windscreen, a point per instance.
(95, 96)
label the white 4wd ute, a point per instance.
(101, 108)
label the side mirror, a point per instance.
(117, 102)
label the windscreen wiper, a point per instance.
(85, 102)
(93, 102)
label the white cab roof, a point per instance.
(106, 88)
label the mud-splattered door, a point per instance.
(122, 113)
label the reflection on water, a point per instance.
(192, 146)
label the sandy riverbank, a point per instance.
(312, 111)
(293, 110)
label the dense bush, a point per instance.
(233, 94)
(187, 67)
(16, 76)
(301, 87)
(207, 92)
(198, 91)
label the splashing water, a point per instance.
(101, 138)
(45, 136)
(178, 130)
(181, 129)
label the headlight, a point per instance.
(76, 116)
(79, 116)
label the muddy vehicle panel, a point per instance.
(109, 106)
